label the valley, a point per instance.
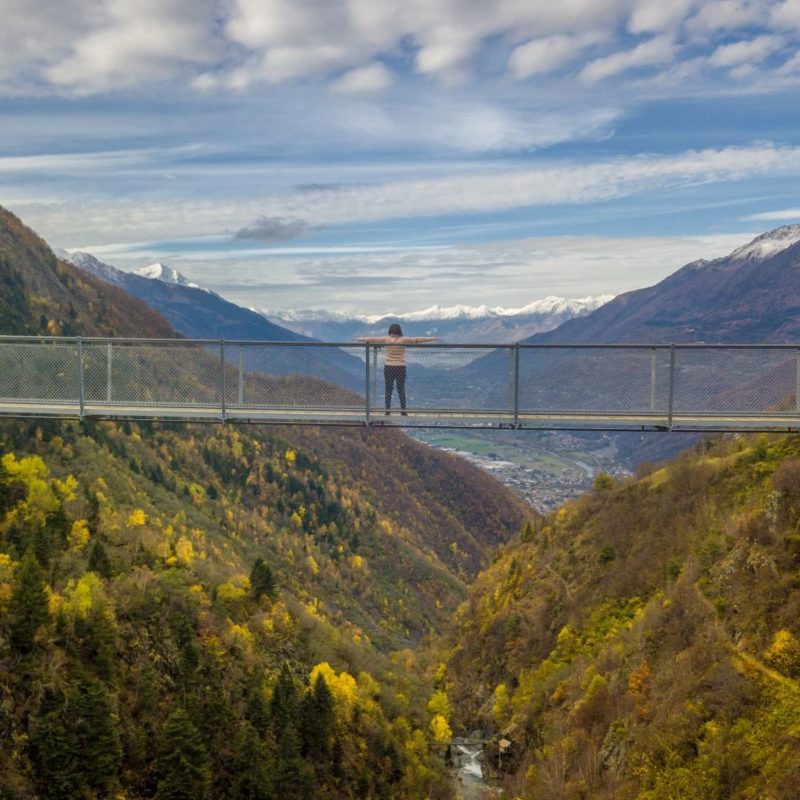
(545, 469)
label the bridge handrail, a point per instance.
(98, 375)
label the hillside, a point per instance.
(643, 641)
(41, 295)
(213, 611)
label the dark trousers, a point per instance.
(390, 375)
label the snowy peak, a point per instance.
(549, 306)
(768, 244)
(87, 262)
(161, 272)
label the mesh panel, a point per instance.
(294, 377)
(735, 381)
(142, 374)
(600, 380)
(43, 371)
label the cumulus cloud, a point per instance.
(274, 229)
(138, 40)
(89, 46)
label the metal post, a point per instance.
(797, 386)
(223, 387)
(671, 382)
(653, 380)
(108, 372)
(81, 389)
(241, 375)
(511, 378)
(516, 385)
(366, 384)
(375, 375)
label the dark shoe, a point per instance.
(386, 413)
(403, 414)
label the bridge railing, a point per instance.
(524, 386)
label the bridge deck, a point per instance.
(414, 418)
(567, 387)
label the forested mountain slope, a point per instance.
(643, 642)
(41, 295)
(221, 612)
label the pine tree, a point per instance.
(262, 581)
(184, 765)
(28, 608)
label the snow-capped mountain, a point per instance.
(454, 324)
(768, 244)
(161, 272)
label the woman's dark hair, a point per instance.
(395, 330)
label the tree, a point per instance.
(184, 765)
(262, 581)
(99, 561)
(28, 608)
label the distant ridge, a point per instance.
(750, 296)
(459, 323)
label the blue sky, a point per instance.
(374, 156)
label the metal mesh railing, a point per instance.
(638, 386)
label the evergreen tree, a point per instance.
(53, 751)
(184, 766)
(317, 721)
(252, 767)
(28, 608)
(96, 735)
(262, 581)
(284, 703)
(99, 561)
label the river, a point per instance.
(471, 784)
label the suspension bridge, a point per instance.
(634, 387)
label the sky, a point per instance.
(374, 156)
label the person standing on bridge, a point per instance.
(394, 368)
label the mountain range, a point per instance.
(454, 324)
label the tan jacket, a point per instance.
(395, 352)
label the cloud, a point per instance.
(274, 229)
(465, 189)
(508, 273)
(786, 15)
(96, 46)
(749, 52)
(374, 77)
(541, 56)
(653, 52)
(776, 216)
(726, 15)
(138, 40)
